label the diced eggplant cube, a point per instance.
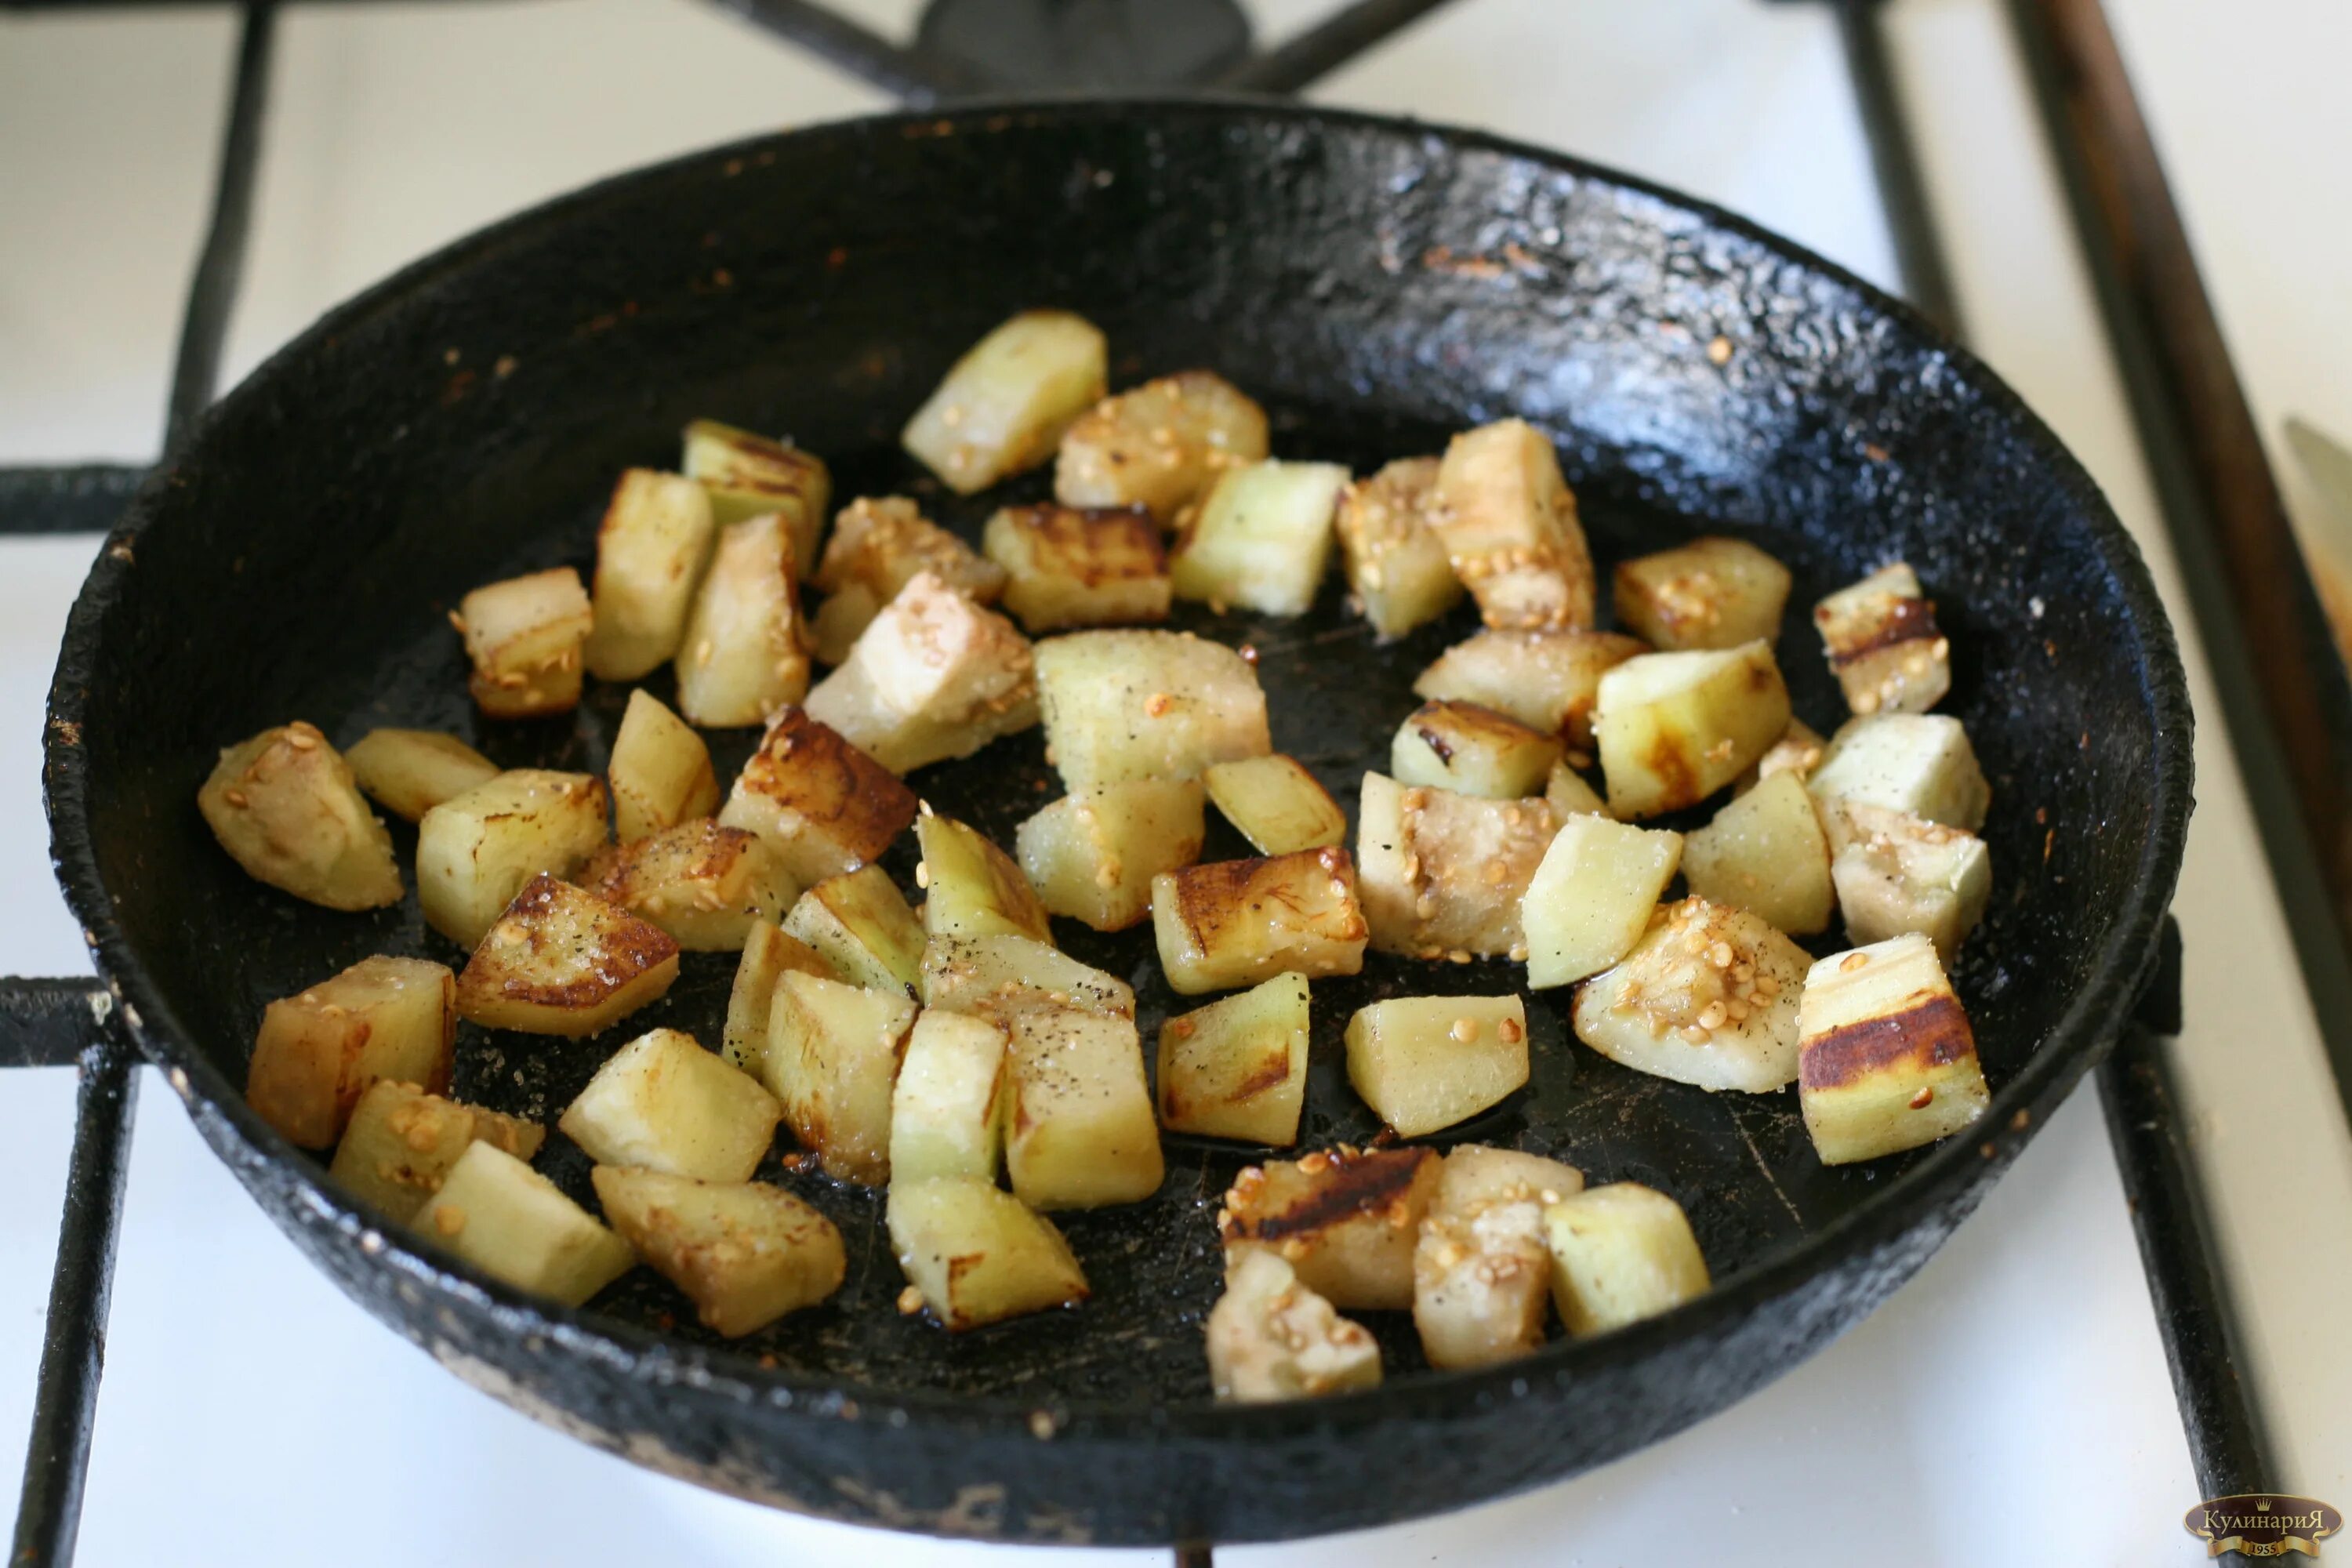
(410, 771)
(1146, 705)
(1473, 750)
(1887, 1061)
(1765, 851)
(514, 1225)
(1003, 405)
(1079, 1133)
(651, 551)
(560, 961)
(663, 1103)
(1276, 803)
(1237, 922)
(1237, 1068)
(1882, 642)
(1482, 1270)
(1712, 592)
(1071, 567)
(832, 1059)
(660, 771)
(1263, 537)
(1708, 996)
(525, 636)
(1159, 446)
(286, 807)
(750, 476)
(824, 804)
(1508, 521)
(933, 677)
(745, 1253)
(1092, 854)
(1444, 874)
(975, 1255)
(947, 1112)
(1897, 873)
(1272, 1339)
(1395, 560)
(1918, 764)
(1590, 899)
(1673, 727)
(320, 1049)
(1621, 1253)
(971, 888)
(1345, 1219)
(1424, 1063)
(741, 657)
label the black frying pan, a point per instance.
(1378, 284)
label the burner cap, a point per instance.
(1099, 43)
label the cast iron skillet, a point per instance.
(1378, 284)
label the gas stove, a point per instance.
(2073, 1348)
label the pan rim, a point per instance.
(1957, 1171)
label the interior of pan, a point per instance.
(1377, 287)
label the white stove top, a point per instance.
(2015, 1391)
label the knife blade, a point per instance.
(2326, 529)
(2329, 464)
